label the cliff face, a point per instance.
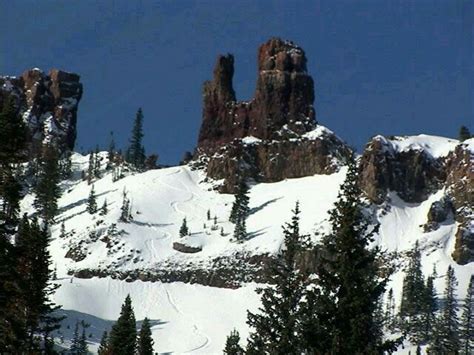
(274, 135)
(416, 167)
(48, 105)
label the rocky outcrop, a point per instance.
(416, 167)
(438, 213)
(274, 135)
(413, 173)
(48, 105)
(460, 186)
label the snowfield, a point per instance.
(191, 318)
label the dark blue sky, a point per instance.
(389, 67)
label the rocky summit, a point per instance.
(274, 135)
(48, 104)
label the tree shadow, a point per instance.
(80, 202)
(256, 233)
(96, 325)
(263, 205)
(148, 224)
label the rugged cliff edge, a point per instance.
(416, 167)
(48, 105)
(274, 135)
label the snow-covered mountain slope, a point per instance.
(193, 318)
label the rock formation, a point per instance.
(274, 135)
(415, 173)
(48, 105)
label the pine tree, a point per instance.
(466, 333)
(183, 230)
(123, 336)
(90, 168)
(34, 264)
(79, 341)
(104, 209)
(339, 313)
(12, 144)
(445, 339)
(145, 341)
(240, 208)
(240, 230)
(413, 298)
(111, 152)
(232, 346)
(47, 188)
(62, 232)
(96, 163)
(208, 215)
(390, 311)
(275, 328)
(430, 306)
(92, 202)
(136, 151)
(65, 166)
(464, 133)
(75, 346)
(104, 347)
(12, 133)
(125, 210)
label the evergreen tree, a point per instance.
(123, 336)
(390, 311)
(208, 215)
(65, 166)
(12, 133)
(276, 328)
(104, 209)
(430, 306)
(339, 316)
(240, 208)
(96, 163)
(413, 298)
(34, 264)
(240, 230)
(92, 202)
(111, 152)
(464, 133)
(104, 347)
(79, 342)
(467, 321)
(125, 210)
(183, 230)
(62, 232)
(445, 339)
(90, 168)
(136, 151)
(145, 341)
(47, 188)
(232, 346)
(75, 347)
(151, 162)
(12, 144)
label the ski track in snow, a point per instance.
(197, 319)
(196, 330)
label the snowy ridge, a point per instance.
(437, 147)
(191, 318)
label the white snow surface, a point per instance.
(190, 318)
(435, 146)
